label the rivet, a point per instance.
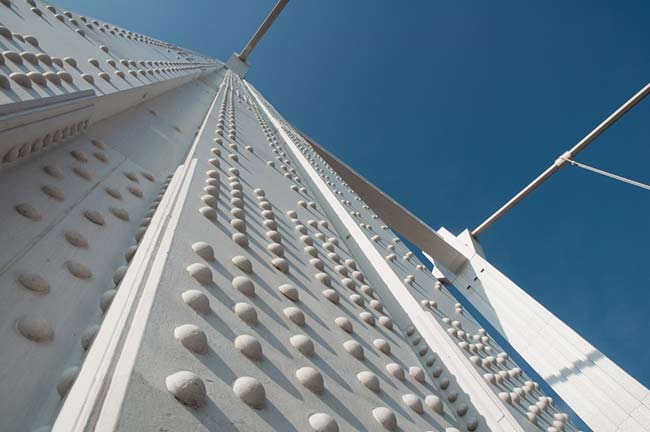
(200, 272)
(28, 211)
(187, 387)
(209, 213)
(106, 299)
(243, 263)
(354, 348)
(119, 273)
(34, 282)
(203, 250)
(53, 171)
(192, 338)
(88, 336)
(418, 374)
(82, 172)
(396, 371)
(311, 379)
(413, 402)
(382, 346)
(385, 417)
(240, 239)
(196, 300)
(113, 192)
(246, 313)
(244, 285)
(249, 346)
(95, 217)
(78, 270)
(76, 239)
(281, 264)
(303, 344)
(37, 330)
(250, 391)
(295, 315)
(67, 379)
(321, 422)
(120, 213)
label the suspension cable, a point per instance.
(607, 174)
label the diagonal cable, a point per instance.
(608, 174)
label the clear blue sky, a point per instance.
(477, 97)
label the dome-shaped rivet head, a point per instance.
(311, 379)
(67, 379)
(386, 322)
(34, 282)
(200, 272)
(53, 192)
(135, 191)
(382, 346)
(53, 171)
(331, 295)
(187, 387)
(246, 313)
(78, 270)
(270, 224)
(321, 422)
(76, 239)
(274, 235)
(318, 264)
(289, 291)
(324, 279)
(37, 330)
(120, 213)
(369, 380)
(240, 239)
(295, 315)
(367, 317)
(192, 338)
(243, 263)
(106, 299)
(396, 371)
(249, 346)
(344, 324)
(119, 273)
(196, 300)
(357, 299)
(276, 248)
(210, 200)
(239, 225)
(418, 374)
(203, 250)
(28, 211)
(94, 217)
(385, 417)
(250, 391)
(354, 348)
(244, 285)
(113, 192)
(281, 264)
(434, 403)
(413, 402)
(303, 344)
(88, 336)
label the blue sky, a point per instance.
(452, 107)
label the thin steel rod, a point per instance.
(608, 174)
(259, 34)
(591, 136)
